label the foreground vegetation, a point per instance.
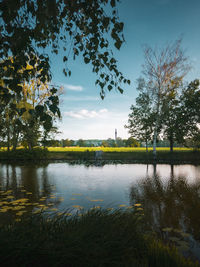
(95, 238)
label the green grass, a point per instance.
(94, 238)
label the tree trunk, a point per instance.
(14, 144)
(154, 142)
(171, 140)
(146, 145)
(29, 146)
(8, 138)
(15, 140)
(156, 126)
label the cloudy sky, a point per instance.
(152, 22)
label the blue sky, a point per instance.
(152, 22)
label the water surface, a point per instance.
(105, 186)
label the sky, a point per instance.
(152, 22)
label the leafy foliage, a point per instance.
(171, 116)
(190, 114)
(78, 27)
(24, 116)
(142, 117)
(179, 115)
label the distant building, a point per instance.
(115, 134)
(93, 142)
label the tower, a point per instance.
(115, 134)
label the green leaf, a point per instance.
(110, 87)
(86, 60)
(47, 125)
(39, 109)
(65, 58)
(120, 90)
(53, 108)
(118, 44)
(112, 3)
(53, 90)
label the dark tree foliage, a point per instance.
(171, 116)
(190, 112)
(76, 26)
(181, 115)
(142, 118)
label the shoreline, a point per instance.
(88, 157)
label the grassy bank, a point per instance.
(123, 155)
(94, 238)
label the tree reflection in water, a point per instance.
(25, 190)
(174, 203)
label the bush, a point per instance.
(36, 153)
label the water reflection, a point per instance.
(24, 190)
(16, 177)
(173, 203)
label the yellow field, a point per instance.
(113, 149)
(108, 149)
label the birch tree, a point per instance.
(161, 67)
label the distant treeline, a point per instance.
(119, 142)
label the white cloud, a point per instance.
(84, 113)
(101, 127)
(81, 98)
(73, 87)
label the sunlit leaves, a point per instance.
(137, 204)
(29, 67)
(30, 97)
(79, 28)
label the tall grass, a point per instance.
(95, 238)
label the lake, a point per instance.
(108, 186)
(167, 195)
